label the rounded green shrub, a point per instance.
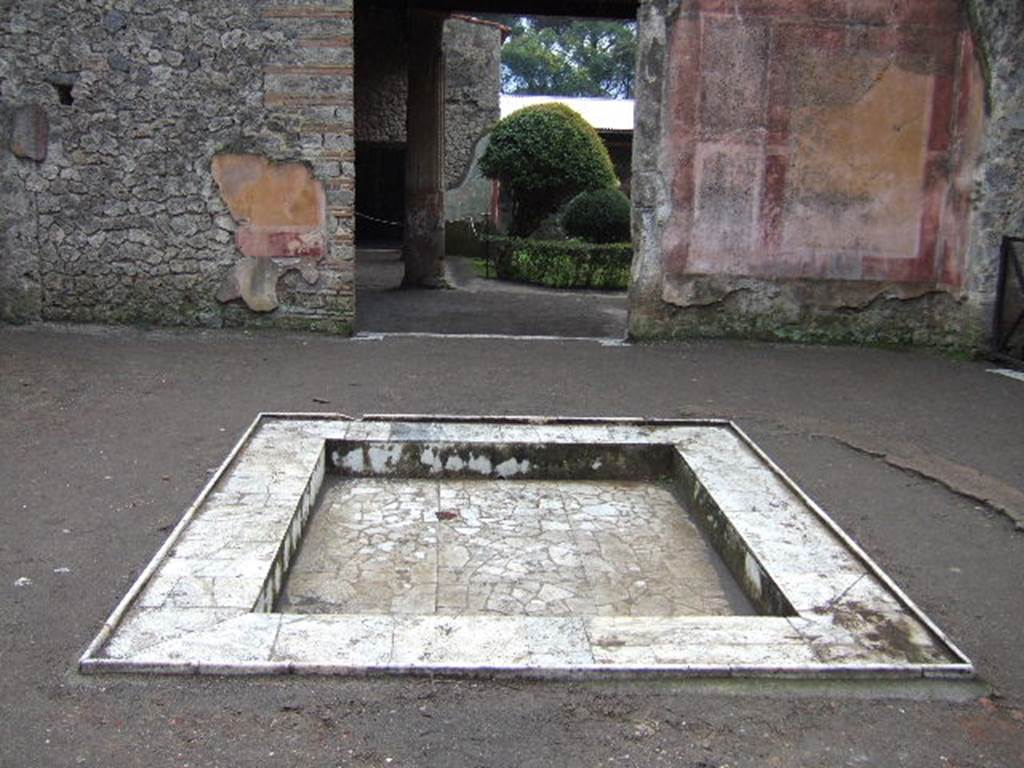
(598, 216)
(543, 155)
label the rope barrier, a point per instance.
(368, 217)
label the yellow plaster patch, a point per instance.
(265, 194)
(856, 179)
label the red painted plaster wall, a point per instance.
(820, 139)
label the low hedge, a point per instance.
(562, 263)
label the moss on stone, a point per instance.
(957, 335)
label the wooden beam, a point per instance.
(608, 9)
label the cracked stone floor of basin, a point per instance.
(508, 547)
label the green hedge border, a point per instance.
(561, 263)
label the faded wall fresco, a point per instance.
(280, 214)
(814, 165)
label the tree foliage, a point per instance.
(544, 155)
(565, 57)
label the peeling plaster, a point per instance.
(254, 280)
(280, 211)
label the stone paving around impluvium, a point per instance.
(209, 601)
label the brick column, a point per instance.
(423, 249)
(310, 88)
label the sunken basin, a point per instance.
(522, 546)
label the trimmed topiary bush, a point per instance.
(544, 155)
(598, 216)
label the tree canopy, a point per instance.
(544, 155)
(567, 57)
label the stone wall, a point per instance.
(817, 170)
(998, 199)
(806, 170)
(472, 70)
(116, 216)
(473, 67)
(382, 77)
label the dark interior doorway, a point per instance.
(380, 193)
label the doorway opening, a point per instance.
(482, 78)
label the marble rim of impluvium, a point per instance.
(205, 602)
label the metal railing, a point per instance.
(1008, 319)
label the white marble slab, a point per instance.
(205, 604)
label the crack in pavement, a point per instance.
(959, 479)
(956, 478)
